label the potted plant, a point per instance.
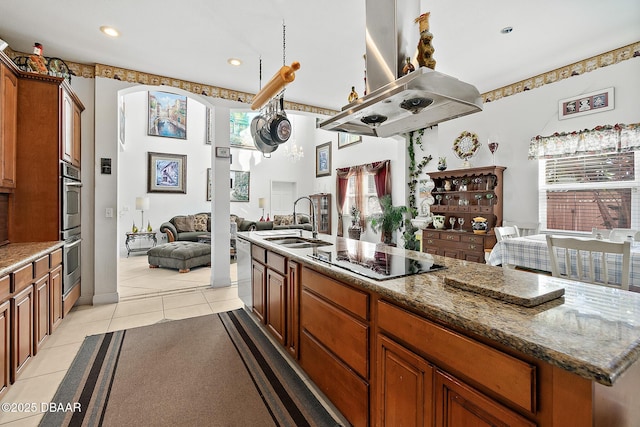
(355, 229)
(390, 220)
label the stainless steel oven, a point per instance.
(70, 225)
(71, 253)
(71, 189)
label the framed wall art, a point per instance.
(346, 139)
(240, 129)
(239, 183)
(323, 159)
(208, 184)
(588, 103)
(167, 173)
(167, 115)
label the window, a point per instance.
(369, 196)
(579, 193)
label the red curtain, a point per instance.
(382, 176)
(342, 179)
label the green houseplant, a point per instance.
(390, 220)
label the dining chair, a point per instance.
(507, 232)
(622, 234)
(590, 260)
(525, 228)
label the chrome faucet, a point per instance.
(314, 228)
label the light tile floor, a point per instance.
(147, 297)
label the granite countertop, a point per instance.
(15, 255)
(592, 331)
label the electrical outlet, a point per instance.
(108, 213)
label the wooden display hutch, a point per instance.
(465, 193)
(322, 206)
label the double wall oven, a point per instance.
(70, 225)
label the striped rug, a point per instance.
(216, 370)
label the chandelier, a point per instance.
(293, 152)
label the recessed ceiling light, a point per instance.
(506, 30)
(234, 61)
(110, 31)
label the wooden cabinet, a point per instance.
(22, 318)
(41, 304)
(293, 308)
(258, 280)
(454, 244)
(8, 126)
(55, 304)
(5, 343)
(404, 391)
(48, 132)
(465, 193)
(70, 143)
(334, 342)
(459, 405)
(322, 208)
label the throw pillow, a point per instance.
(282, 220)
(184, 223)
(200, 222)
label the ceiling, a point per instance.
(192, 40)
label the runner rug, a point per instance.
(216, 370)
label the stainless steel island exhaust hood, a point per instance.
(394, 105)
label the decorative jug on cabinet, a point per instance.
(479, 225)
(438, 221)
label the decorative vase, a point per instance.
(442, 163)
(438, 222)
(134, 229)
(447, 185)
(479, 225)
(354, 232)
(149, 229)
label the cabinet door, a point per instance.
(5, 348)
(41, 312)
(276, 305)
(258, 288)
(22, 330)
(404, 391)
(293, 308)
(459, 405)
(68, 132)
(76, 144)
(55, 304)
(8, 126)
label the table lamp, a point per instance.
(261, 204)
(142, 204)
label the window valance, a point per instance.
(601, 139)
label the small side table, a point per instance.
(141, 235)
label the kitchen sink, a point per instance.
(295, 242)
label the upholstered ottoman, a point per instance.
(181, 255)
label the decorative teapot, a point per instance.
(438, 221)
(479, 225)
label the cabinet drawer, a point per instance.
(430, 235)
(41, 267)
(474, 238)
(5, 287)
(56, 258)
(498, 372)
(277, 262)
(259, 253)
(22, 278)
(450, 237)
(354, 301)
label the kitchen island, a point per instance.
(420, 348)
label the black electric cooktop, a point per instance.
(362, 258)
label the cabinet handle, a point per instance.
(430, 241)
(450, 237)
(472, 246)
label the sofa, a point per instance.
(187, 227)
(279, 222)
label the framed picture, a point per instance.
(223, 152)
(167, 173)
(240, 133)
(209, 124)
(588, 103)
(323, 159)
(239, 183)
(167, 115)
(208, 184)
(345, 139)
